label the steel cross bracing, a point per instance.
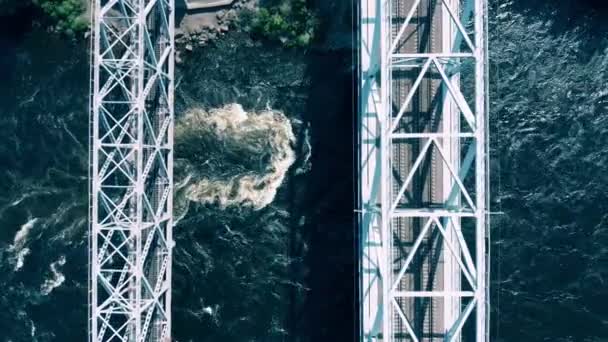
(423, 180)
(131, 171)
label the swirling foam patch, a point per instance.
(235, 158)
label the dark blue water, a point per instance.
(286, 272)
(549, 129)
(278, 273)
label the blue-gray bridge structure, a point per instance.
(131, 170)
(423, 166)
(423, 170)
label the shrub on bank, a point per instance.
(67, 15)
(290, 22)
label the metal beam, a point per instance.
(423, 180)
(131, 173)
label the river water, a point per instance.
(265, 196)
(271, 263)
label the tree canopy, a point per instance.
(290, 22)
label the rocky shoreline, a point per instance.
(197, 28)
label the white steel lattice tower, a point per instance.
(131, 170)
(423, 179)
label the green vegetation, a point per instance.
(290, 22)
(67, 15)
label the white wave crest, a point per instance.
(306, 164)
(250, 188)
(22, 233)
(20, 258)
(33, 330)
(18, 247)
(57, 278)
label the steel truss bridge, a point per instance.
(131, 170)
(423, 179)
(423, 170)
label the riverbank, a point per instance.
(200, 23)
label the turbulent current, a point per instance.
(232, 157)
(253, 189)
(264, 183)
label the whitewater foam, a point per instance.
(57, 278)
(18, 247)
(22, 233)
(306, 164)
(267, 134)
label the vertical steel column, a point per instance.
(372, 262)
(385, 162)
(131, 170)
(400, 299)
(481, 168)
(451, 123)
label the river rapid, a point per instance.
(251, 192)
(265, 188)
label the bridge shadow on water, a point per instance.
(328, 310)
